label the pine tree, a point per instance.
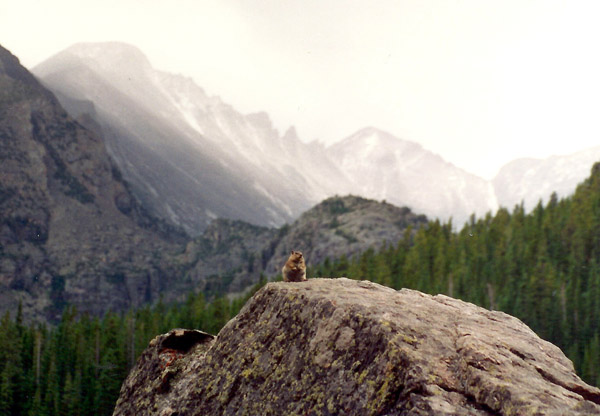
(11, 369)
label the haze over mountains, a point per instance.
(191, 158)
(72, 233)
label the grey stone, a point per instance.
(338, 346)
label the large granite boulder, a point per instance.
(344, 347)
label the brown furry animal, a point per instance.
(294, 269)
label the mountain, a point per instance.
(73, 233)
(231, 255)
(402, 172)
(189, 158)
(70, 230)
(531, 180)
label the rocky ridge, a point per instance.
(338, 346)
(231, 255)
(70, 230)
(189, 157)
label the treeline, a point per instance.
(77, 367)
(542, 267)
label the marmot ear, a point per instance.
(292, 252)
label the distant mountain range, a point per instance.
(532, 180)
(73, 233)
(83, 193)
(191, 158)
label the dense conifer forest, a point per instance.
(542, 267)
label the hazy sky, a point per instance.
(479, 82)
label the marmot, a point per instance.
(294, 269)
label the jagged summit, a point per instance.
(154, 118)
(190, 157)
(386, 167)
(339, 346)
(372, 137)
(114, 57)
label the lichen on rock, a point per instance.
(339, 346)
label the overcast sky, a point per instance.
(479, 82)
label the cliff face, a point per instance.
(330, 347)
(70, 231)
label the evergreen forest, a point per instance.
(542, 267)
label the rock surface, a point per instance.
(338, 346)
(70, 230)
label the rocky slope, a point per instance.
(70, 231)
(189, 157)
(231, 255)
(336, 346)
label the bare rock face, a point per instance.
(70, 230)
(338, 346)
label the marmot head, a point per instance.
(296, 256)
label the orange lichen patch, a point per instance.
(168, 356)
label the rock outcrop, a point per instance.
(70, 230)
(338, 346)
(231, 255)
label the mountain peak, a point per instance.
(113, 57)
(404, 173)
(12, 68)
(371, 139)
(111, 51)
(291, 134)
